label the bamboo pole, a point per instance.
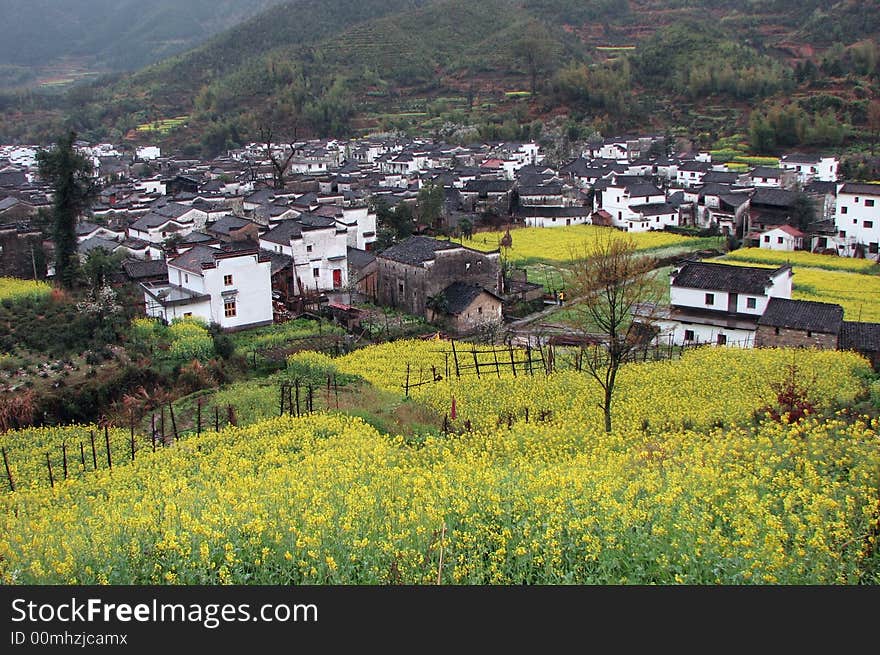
(8, 473)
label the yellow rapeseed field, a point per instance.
(15, 289)
(563, 244)
(692, 488)
(802, 258)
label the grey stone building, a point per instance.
(799, 324)
(419, 268)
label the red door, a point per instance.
(337, 278)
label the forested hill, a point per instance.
(336, 67)
(113, 34)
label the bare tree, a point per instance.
(614, 294)
(279, 162)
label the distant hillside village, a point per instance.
(237, 240)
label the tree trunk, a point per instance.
(606, 408)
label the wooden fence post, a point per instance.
(82, 455)
(173, 422)
(8, 474)
(107, 443)
(94, 452)
(199, 417)
(49, 466)
(64, 457)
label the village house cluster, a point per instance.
(227, 241)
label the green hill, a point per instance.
(113, 34)
(333, 67)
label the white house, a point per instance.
(720, 303)
(148, 153)
(690, 173)
(318, 247)
(783, 237)
(151, 186)
(554, 216)
(165, 220)
(810, 168)
(229, 285)
(625, 200)
(857, 217)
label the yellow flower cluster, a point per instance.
(26, 452)
(859, 295)
(563, 244)
(688, 488)
(15, 289)
(803, 258)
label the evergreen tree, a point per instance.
(69, 173)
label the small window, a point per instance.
(227, 280)
(873, 247)
(766, 239)
(688, 335)
(308, 249)
(868, 224)
(776, 331)
(843, 210)
(479, 310)
(186, 278)
(710, 298)
(751, 303)
(316, 272)
(857, 198)
(809, 333)
(778, 239)
(187, 314)
(229, 308)
(721, 339)
(869, 202)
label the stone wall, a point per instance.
(771, 337)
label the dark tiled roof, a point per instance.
(488, 186)
(766, 171)
(359, 259)
(417, 250)
(864, 189)
(541, 190)
(283, 233)
(311, 220)
(654, 209)
(551, 212)
(803, 315)
(278, 261)
(800, 158)
(228, 223)
(197, 237)
(92, 243)
(774, 197)
(817, 186)
(193, 259)
(642, 190)
(459, 296)
(864, 337)
(695, 166)
(146, 269)
(723, 277)
(720, 177)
